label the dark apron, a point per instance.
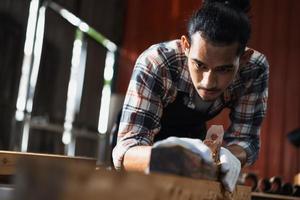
(181, 121)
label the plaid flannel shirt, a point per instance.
(161, 71)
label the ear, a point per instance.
(245, 57)
(185, 43)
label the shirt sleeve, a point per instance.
(142, 108)
(249, 110)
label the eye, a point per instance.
(200, 66)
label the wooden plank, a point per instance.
(48, 180)
(9, 159)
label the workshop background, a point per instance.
(133, 25)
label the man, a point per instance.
(177, 86)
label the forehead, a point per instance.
(205, 50)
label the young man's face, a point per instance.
(212, 67)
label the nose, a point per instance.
(209, 80)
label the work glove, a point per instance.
(194, 145)
(230, 167)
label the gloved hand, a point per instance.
(230, 167)
(194, 145)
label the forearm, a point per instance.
(137, 158)
(239, 152)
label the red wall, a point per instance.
(276, 33)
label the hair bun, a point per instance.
(242, 5)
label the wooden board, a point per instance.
(9, 159)
(44, 176)
(45, 180)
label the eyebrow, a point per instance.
(199, 62)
